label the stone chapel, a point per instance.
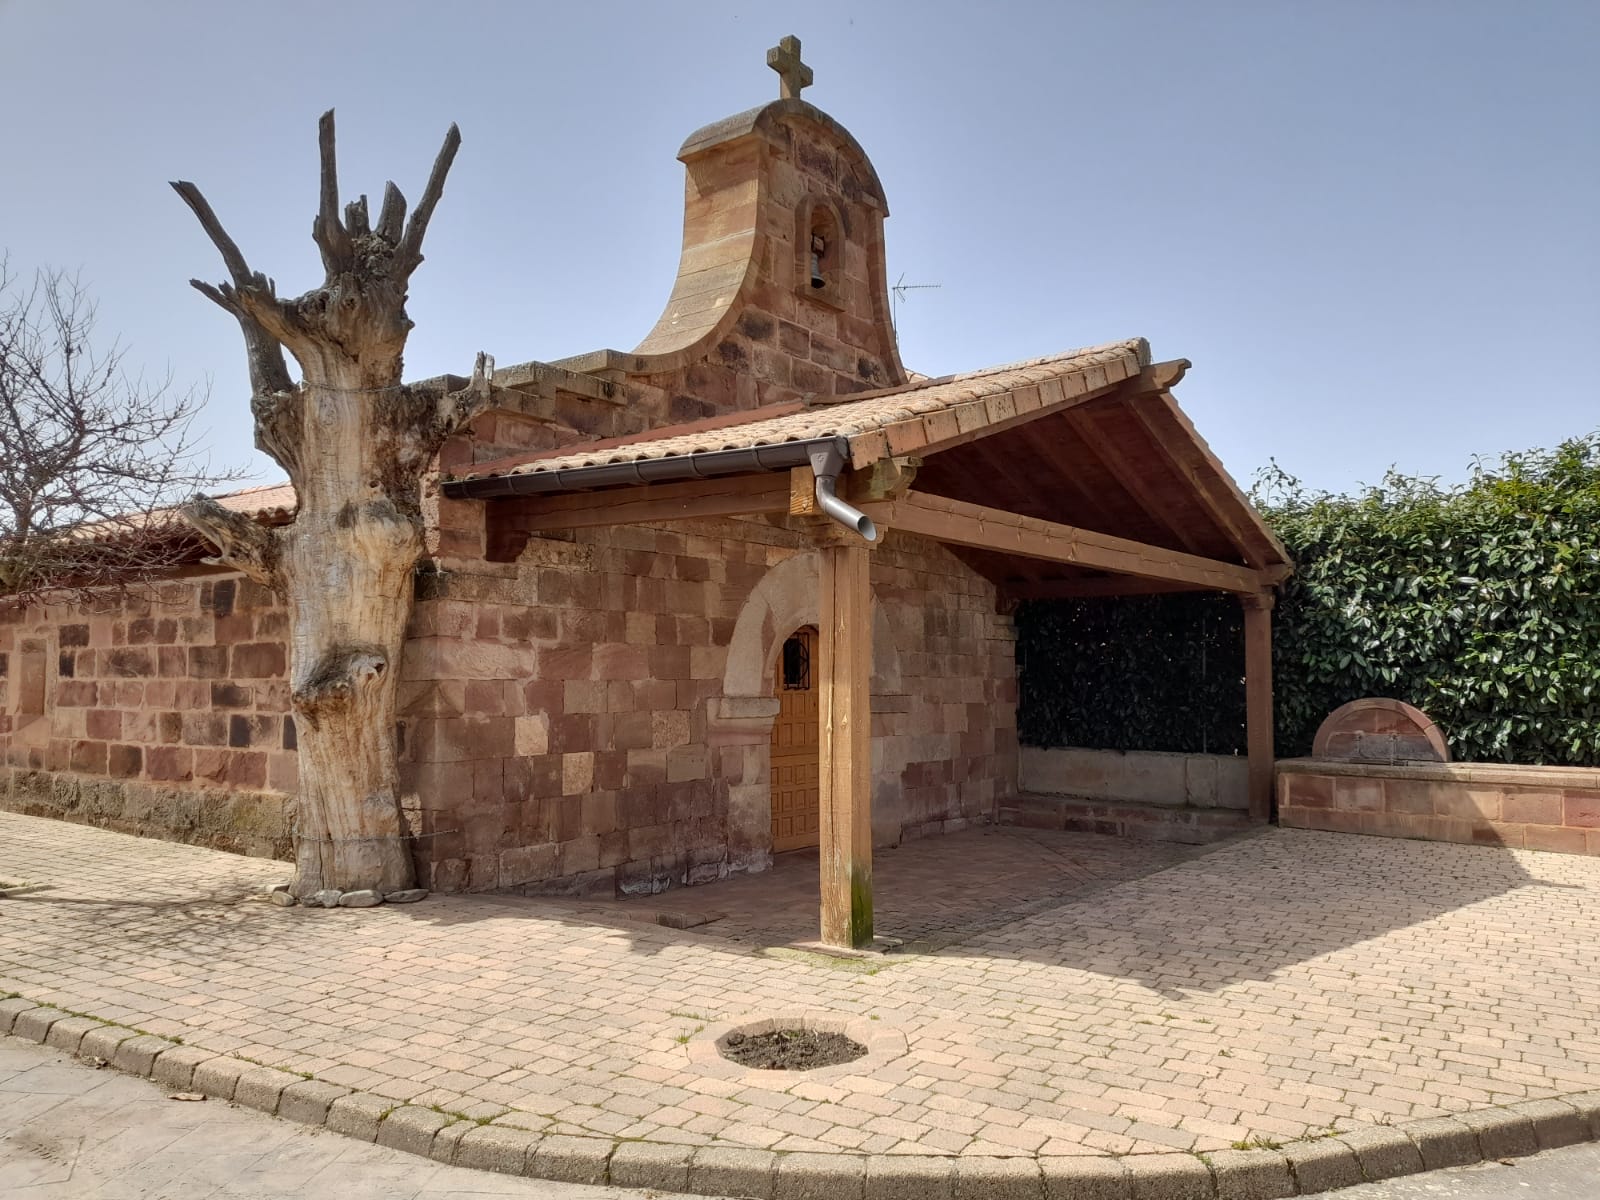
(743, 590)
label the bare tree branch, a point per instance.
(91, 457)
(458, 409)
(391, 221)
(409, 251)
(244, 543)
(270, 381)
(232, 257)
(331, 237)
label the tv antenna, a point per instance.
(898, 297)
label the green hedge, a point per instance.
(1477, 603)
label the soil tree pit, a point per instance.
(790, 1049)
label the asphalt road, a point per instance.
(1569, 1174)
(70, 1132)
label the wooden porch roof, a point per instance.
(1091, 442)
(916, 418)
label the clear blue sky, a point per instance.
(1371, 224)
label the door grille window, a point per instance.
(796, 665)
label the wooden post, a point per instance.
(845, 758)
(1258, 701)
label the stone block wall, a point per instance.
(1137, 776)
(574, 721)
(1531, 808)
(585, 719)
(160, 713)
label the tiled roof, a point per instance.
(880, 423)
(270, 502)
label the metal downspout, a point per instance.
(827, 461)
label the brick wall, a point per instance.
(1532, 808)
(161, 714)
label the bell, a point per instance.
(817, 248)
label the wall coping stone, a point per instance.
(1452, 772)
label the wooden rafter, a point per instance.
(1070, 475)
(995, 530)
(1116, 464)
(1179, 445)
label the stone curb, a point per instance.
(1365, 1154)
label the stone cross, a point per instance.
(793, 75)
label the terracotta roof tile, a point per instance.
(868, 415)
(270, 502)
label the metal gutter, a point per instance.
(705, 465)
(825, 456)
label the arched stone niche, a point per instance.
(739, 726)
(820, 220)
(1379, 730)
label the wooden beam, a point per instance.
(1258, 702)
(1163, 376)
(845, 746)
(732, 496)
(1001, 532)
(1078, 589)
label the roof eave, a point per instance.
(705, 464)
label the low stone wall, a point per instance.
(245, 822)
(1531, 808)
(1137, 776)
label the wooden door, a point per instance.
(796, 820)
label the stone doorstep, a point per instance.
(1299, 1168)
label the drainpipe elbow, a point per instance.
(826, 464)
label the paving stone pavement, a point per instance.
(1275, 987)
(70, 1132)
(1004, 875)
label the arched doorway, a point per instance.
(796, 818)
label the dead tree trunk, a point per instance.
(355, 441)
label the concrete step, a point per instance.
(1124, 818)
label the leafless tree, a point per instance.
(92, 458)
(356, 441)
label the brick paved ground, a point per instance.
(1268, 988)
(1002, 875)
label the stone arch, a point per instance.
(740, 721)
(784, 600)
(821, 218)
